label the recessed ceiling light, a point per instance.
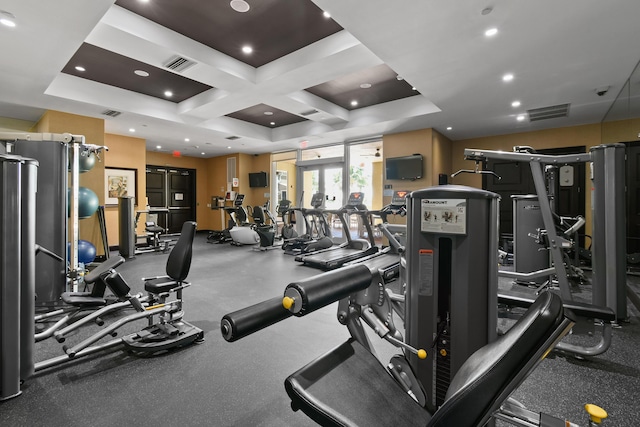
(202, 153)
(268, 113)
(239, 6)
(365, 85)
(507, 77)
(272, 123)
(79, 68)
(229, 147)
(354, 103)
(449, 128)
(413, 88)
(399, 77)
(187, 140)
(247, 49)
(326, 14)
(491, 32)
(141, 73)
(158, 147)
(515, 104)
(132, 130)
(7, 19)
(168, 93)
(520, 117)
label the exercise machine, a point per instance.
(352, 249)
(432, 382)
(317, 235)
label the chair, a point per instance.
(348, 386)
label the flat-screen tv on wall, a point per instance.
(258, 179)
(407, 167)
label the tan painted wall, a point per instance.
(130, 153)
(93, 131)
(621, 131)
(217, 186)
(376, 183)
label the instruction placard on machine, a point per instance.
(443, 216)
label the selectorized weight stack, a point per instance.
(452, 279)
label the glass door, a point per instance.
(327, 179)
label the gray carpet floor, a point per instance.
(217, 383)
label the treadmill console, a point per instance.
(238, 200)
(399, 198)
(316, 200)
(356, 201)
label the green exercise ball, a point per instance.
(86, 161)
(87, 202)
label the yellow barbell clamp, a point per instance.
(596, 413)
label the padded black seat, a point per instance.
(349, 387)
(95, 298)
(178, 263)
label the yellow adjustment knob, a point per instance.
(443, 352)
(422, 354)
(596, 413)
(287, 302)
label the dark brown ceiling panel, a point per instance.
(385, 87)
(106, 67)
(273, 28)
(256, 115)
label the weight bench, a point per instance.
(349, 387)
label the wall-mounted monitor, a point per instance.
(407, 167)
(258, 179)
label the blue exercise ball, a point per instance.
(86, 251)
(87, 202)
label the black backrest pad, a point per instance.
(486, 375)
(103, 268)
(179, 261)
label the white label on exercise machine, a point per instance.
(443, 216)
(426, 272)
(566, 176)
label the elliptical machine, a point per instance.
(318, 231)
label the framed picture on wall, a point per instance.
(119, 182)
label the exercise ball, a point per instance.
(86, 161)
(87, 202)
(86, 251)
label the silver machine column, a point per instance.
(17, 271)
(608, 210)
(528, 255)
(452, 280)
(126, 227)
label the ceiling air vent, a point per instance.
(232, 138)
(111, 113)
(552, 112)
(178, 63)
(308, 113)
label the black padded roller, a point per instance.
(324, 289)
(251, 319)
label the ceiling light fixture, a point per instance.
(515, 104)
(365, 85)
(202, 153)
(326, 14)
(132, 130)
(158, 147)
(81, 69)
(141, 73)
(507, 77)
(272, 123)
(268, 113)
(486, 10)
(229, 147)
(520, 117)
(247, 49)
(239, 6)
(168, 93)
(449, 128)
(491, 32)
(354, 103)
(187, 140)
(7, 19)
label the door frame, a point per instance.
(321, 165)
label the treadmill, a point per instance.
(387, 261)
(352, 249)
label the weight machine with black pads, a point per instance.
(452, 370)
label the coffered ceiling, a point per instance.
(206, 79)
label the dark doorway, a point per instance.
(633, 197)
(173, 189)
(517, 180)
